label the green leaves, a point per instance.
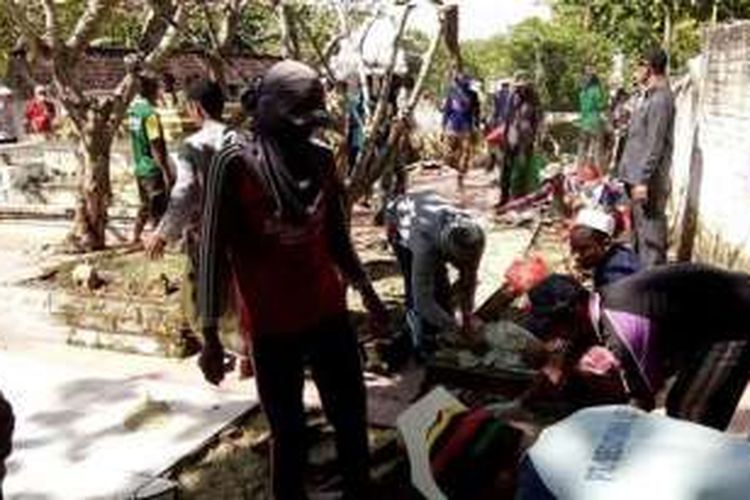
(636, 25)
(555, 53)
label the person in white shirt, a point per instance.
(205, 107)
(182, 221)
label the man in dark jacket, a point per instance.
(647, 159)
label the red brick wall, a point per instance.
(103, 69)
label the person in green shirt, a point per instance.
(593, 103)
(152, 172)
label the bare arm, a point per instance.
(467, 287)
(183, 199)
(345, 255)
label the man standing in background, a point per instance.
(647, 159)
(182, 220)
(460, 119)
(501, 104)
(150, 157)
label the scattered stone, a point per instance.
(86, 276)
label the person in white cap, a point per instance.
(594, 250)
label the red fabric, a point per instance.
(39, 115)
(589, 173)
(525, 274)
(460, 440)
(285, 273)
(496, 137)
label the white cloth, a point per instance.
(596, 219)
(185, 198)
(621, 453)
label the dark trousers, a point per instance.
(650, 229)
(506, 176)
(331, 352)
(154, 199)
(423, 338)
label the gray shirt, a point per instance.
(648, 151)
(192, 161)
(419, 219)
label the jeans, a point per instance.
(332, 353)
(422, 332)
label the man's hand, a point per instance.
(155, 244)
(211, 361)
(471, 331)
(472, 326)
(639, 192)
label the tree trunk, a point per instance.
(668, 26)
(217, 69)
(289, 39)
(94, 191)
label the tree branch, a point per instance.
(126, 90)
(318, 52)
(289, 43)
(369, 174)
(18, 13)
(52, 27)
(168, 41)
(380, 114)
(346, 31)
(158, 21)
(232, 16)
(89, 22)
(212, 34)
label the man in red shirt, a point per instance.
(40, 112)
(274, 222)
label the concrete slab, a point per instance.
(79, 433)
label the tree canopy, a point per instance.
(636, 25)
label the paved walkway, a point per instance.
(92, 423)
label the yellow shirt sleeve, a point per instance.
(153, 128)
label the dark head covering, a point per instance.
(462, 240)
(287, 105)
(291, 99)
(553, 298)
